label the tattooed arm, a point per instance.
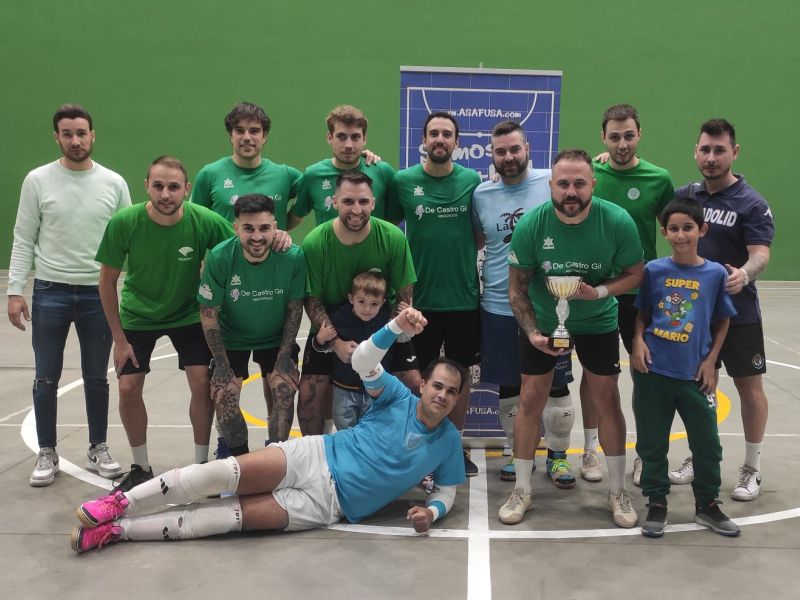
(225, 386)
(521, 305)
(318, 315)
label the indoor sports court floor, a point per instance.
(567, 546)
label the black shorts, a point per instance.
(189, 342)
(626, 316)
(404, 357)
(598, 353)
(460, 333)
(743, 351)
(265, 359)
(316, 363)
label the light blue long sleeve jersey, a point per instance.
(496, 210)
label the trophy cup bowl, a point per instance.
(562, 287)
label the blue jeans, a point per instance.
(349, 407)
(54, 307)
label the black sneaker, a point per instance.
(470, 468)
(656, 520)
(709, 515)
(133, 478)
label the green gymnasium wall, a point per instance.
(158, 77)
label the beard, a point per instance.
(581, 206)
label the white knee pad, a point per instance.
(558, 417)
(507, 411)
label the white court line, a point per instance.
(479, 570)
(780, 364)
(14, 414)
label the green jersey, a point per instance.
(438, 215)
(643, 191)
(332, 265)
(219, 184)
(163, 263)
(251, 297)
(597, 249)
(319, 182)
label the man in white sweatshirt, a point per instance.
(63, 210)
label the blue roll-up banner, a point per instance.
(479, 99)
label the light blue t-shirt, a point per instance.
(496, 209)
(682, 301)
(389, 452)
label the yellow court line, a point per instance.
(723, 410)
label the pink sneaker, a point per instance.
(85, 538)
(102, 510)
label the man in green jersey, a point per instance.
(643, 189)
(347, 137)
(580, 235)
(251, 300)
(336, 251)
(435, 199)
(220, 183)
(164, 242)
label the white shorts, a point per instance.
(307, 492)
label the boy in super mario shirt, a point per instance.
(684, 313)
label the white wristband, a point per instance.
(602, 291)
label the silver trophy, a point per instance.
(562, 287)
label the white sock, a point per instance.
(140, 456)
(616, 472)
(590, 440)
(327, 426)
(184, 486)
(558, 416)
(215, 517)
(200, 453)
(752, 455)
(523, 469)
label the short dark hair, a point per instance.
(573, 154)
(247, 111)
(439, 114)
(506, 127)
(371, 283)
(71, 111)
(354, 177)
(347, 115)
(253, 203)
(171, 163)
(717, 127)
(451, 365)
(685, 206)
(621, 112)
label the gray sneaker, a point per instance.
(709, 515)
(44, 473)
(656, 520)
(99, 460)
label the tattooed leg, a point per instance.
(313, 389)
(231, 421)
(281, 414)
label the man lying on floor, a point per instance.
(311, 481)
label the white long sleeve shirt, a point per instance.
(60, 221)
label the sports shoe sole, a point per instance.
(44, 482)
(713, 526)
(653, 533)
(86, 519)
(508, 476)
(106, 473)
(562, 485)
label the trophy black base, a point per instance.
(560, 343)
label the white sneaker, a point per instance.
(590, 466)
(513, 511)
(621, 509)
(99, 460)
(44, 473)
(637, 471)
(749, 484)
(684, 473)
